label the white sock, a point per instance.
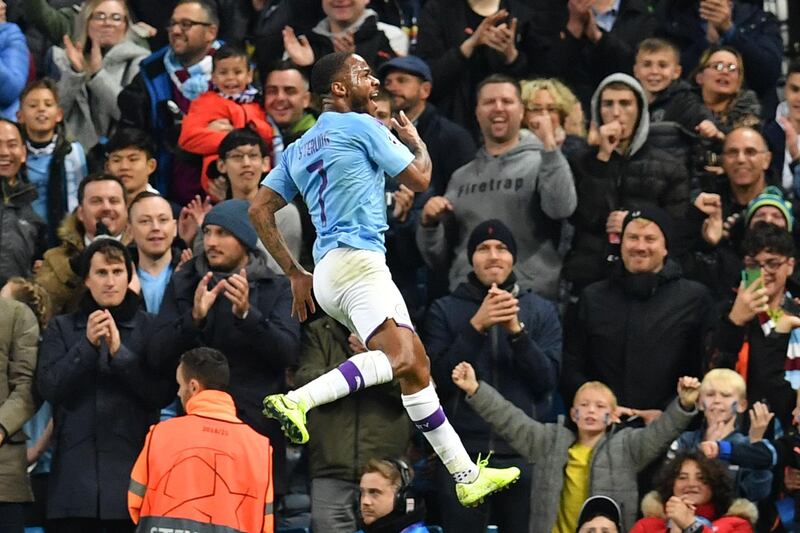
(362, 370)
(425, 411)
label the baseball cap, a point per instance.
(600, 506)
(411, 64)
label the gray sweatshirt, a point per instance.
(529, 189)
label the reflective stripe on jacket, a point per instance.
(206, 472)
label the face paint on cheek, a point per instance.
(734, 407)
(354, 75)
(578, 414)
(607, 418)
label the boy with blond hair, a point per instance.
(586, 457)
(750, 458)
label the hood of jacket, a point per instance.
(528, 142)
(324, 27)
(256, 269)
(653, 507)
(71, 232)
(125, 51)
(21, 193)
(642, 125)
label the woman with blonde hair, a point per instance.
(548, 99)
(720, 78)
(95, 67)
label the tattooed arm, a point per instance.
(262, 215)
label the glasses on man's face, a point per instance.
(749, 153)
(721, 66)
(238, 157)
(770, 265)
(185, 24)
(113, 18)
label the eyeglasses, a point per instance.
(185, 25)
(721, 66)
(113, 18)
(238, 157)
(749, 153)
(770, 265)
(539, 109)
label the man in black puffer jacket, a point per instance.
(624, 172)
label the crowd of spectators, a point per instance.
(610, 213)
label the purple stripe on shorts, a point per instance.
(352, 375)
(429, 423)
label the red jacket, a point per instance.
(739, 518)
(208, 107)
(206, 468)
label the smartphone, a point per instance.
(750, 276)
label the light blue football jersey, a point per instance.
(338, 167)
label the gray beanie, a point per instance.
(232, 215)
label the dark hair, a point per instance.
(714, 473)
(16, 125)
(144, 195)
(229, 50)
(100, 176)
(326, 70)
(114, 252)
(499, 78)
(43, 83)
(766, 237)
(125, 138)
(285, 64)
(794, 67)
(242, 137)
(209, 7)
(208, 366)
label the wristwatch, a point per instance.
(518, 335)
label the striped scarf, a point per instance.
(191, 81)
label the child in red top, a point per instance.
(232, 102)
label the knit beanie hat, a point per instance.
(232, 215)
(491, 229)
(661, 218)
(102, 241)
(772, 196)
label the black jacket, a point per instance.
(649, 177)
(22, 232)
(638, 335)
(103, 407)
(443, 26)
(756, 35)
(370, 42)
(765, 368)
(583, 64)
(259, 347)
(524, 370)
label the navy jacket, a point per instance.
(103, 407)
(259, 347)
(525, 370)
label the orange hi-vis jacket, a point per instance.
(206, 472)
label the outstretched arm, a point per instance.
(262, 215)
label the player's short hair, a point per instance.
(242, 137)
(599, 386)
(100, 176)
(43, 83)
(229, 50)
(794, 67)
(209, 8)
(131, 138)
(208, 366)
(726, 379)
(326, 70)
(652, 45)
(766, 237)
(500, 78)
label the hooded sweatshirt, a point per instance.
(529, 189)
(641, 176)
